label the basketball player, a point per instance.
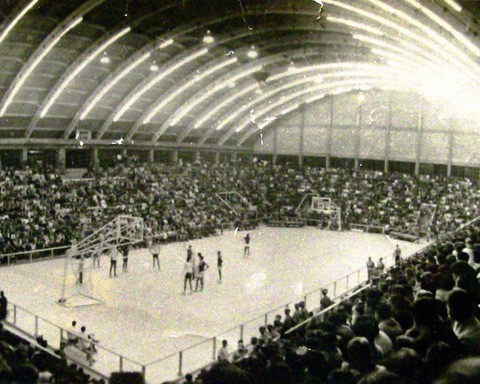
(113, 261)
(98, 252)
(219, 266)
(155, 251)
(199, 275)
(80, 268)
(397, 254)
(187, 272)
(246, 250)
(126, 251)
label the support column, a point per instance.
(358, 126)
(418, 151)
(197, 155)
(329, 135)
(451, 145)
(388, 138)
(274, 159)
(61, 160)
(174, 156)
(302, 137)
(151, 155)
(217, 158)
(234, 156)
(24, 157)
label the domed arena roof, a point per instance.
(214, 71)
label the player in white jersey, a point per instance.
(113, 261)
(97, 252)
(155, 251)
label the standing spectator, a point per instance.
(325, 301)
(223, 352)
(3, 306)
(370, 268)
(380, 266)
(72, 336)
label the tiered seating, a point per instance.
(413, 324)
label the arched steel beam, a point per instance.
(207, 70)
(216, 21)
(197, 99)
(79, 64)
(379, 73)
(288, 107)
(408, 47)
(233, 100)
(120, 109)
(430, 38)
(82, 61)
(111, 80)
(206, 92)
(44, 48)
(15, 16)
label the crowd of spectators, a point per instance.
(22, 362)
(40, 210)
(417, 323)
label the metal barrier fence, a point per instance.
(204, 353)
(34, 255)
(107, 361)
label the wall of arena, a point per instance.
(382, 125)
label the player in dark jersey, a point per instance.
(125, 252)
(246, 250)
(219, 266)
(199, 275)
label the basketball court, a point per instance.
(145, 316)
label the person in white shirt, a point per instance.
(113, 261)
(223, 352)
(97, 253)
(72, 337)
(155, 251)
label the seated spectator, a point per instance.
(428, 326)
(360, 358)
(387, 323)
(465, 325)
